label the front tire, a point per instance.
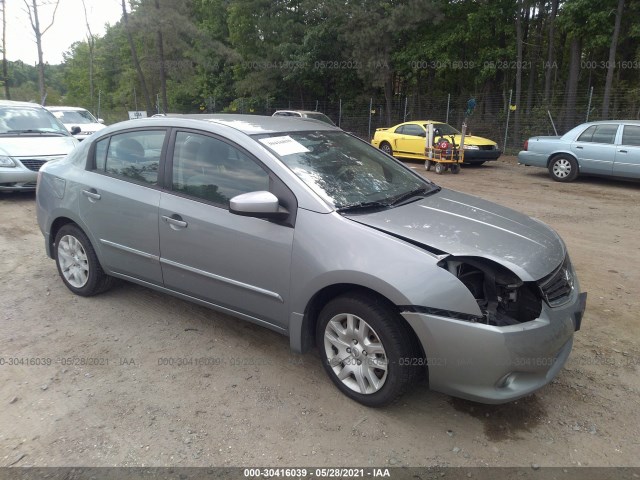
(563, 168)
(78, 263)
(386, 148)
(367, 350)
(440, 168)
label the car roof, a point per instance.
(602, 122)
(12, 103)
(67, 109)
(247, 124)
(306, 112)
(419, 122)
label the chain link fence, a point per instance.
(493, 117)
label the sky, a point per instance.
(69, 27)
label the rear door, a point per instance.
(627, 163)
(239, 263)
(595, 148)
(119, 202)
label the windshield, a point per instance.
(21, 119)
(445, 129)
(77, 117)
(343, 170)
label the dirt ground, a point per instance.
(111, 397)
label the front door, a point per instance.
(235, 262)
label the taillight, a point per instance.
(526, 145)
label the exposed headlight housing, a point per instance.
(471, 147)
(503, 298)
(6, 162)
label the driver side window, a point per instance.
(210, 169)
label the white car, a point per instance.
(78, 117)
(304, 114)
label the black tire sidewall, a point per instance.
(574, 168)
(386, 148)
(399, 346)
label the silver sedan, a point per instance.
(607, 148)
(311, 232)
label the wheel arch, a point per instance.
(56, 225)
(562, 154)
(305, 339)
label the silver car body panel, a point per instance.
(270, 273)
(29, 153)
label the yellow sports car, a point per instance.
(408, 140)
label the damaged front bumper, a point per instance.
(497, 364)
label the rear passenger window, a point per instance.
(599, 134)
(631, 135)
(133, 155)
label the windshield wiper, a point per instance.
(363, 206)
(41, 132)
(417, 193)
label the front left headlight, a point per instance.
(6, 162)
(471, 147)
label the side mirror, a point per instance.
(100, 120)
(75, 130)
(258, 204)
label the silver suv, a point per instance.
(306, 230)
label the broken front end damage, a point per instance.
(518, 343)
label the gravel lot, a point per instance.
(109, 398)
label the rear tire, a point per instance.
(386, 148)
(428, 164)
(563, 168)
(455, 168)
(367, 350)
(78, 263)
(440, 168)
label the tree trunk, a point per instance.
(32, 11)
(5, 73)
(533, 70)
(569, 117)
(516, 116)
(549, 68)
(36, 30)
(612, 60)
(388, 97)
(163, 73)
(134, 58)
(91, 42)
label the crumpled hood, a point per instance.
(36, 146)
(463, 225)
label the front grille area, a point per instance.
(557, 287)
(487, 147)
(33, 164)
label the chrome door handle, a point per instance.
(92, 194)
(175, 221)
